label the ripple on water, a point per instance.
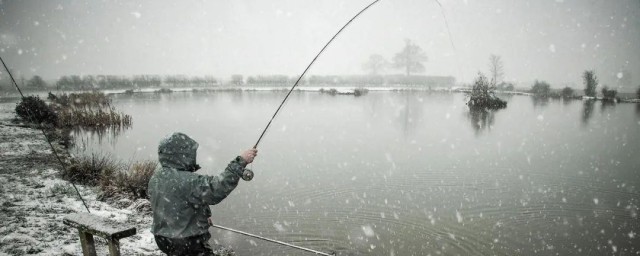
(453, 212)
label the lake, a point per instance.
(406, 173)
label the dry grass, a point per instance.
(90, 170)
(132, 183)
(113, 178)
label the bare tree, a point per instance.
(376, 64)
(496, 68)
(410, 58)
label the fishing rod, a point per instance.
(248, 174)
(41, 128)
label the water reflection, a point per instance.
(412, 113)
(587, 111)
(567, 101)
(606, 104)
(539, 101)
(481, 119)
(109, 134)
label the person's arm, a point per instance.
(210, 190)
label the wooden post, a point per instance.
(87, 243)
(114, 247)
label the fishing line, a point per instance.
(55, 153)
(306, 69)
(455, 50)
(273, 240)
(274, 116)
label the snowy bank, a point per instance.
(34, 200)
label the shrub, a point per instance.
(33, 109)
(91, 170)
(609, 94)
(360, 91)
(567, 92)
(541, 89)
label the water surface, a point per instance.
(407, 173)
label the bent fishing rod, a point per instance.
(248, 174)
(41, 128)
(322, 50)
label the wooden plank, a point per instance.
(109, 229)
(87, 243)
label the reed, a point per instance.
(87, 110)
(87, 117)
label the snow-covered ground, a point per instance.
(33, 201)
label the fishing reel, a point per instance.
(247, 174)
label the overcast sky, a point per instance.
(551, 40)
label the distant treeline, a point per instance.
(360, 80)
(105, 82)
(138, 81)
(90, 82)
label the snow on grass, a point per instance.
(34, 201)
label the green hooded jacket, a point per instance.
(180, 199)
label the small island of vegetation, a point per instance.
(482, 95)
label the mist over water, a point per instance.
(407, 173)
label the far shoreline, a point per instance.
(339, 89)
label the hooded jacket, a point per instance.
(180, 199)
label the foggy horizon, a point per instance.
(554, 41)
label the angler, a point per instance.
(180, 198)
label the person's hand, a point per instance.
(210, 221)
(249, 154)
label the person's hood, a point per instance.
(178, 151)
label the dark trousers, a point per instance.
(188, 246)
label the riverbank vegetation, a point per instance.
(609, 94)
(35, 110)
(113, 178)
(87, 110)
(355, 92)
(90, 110)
